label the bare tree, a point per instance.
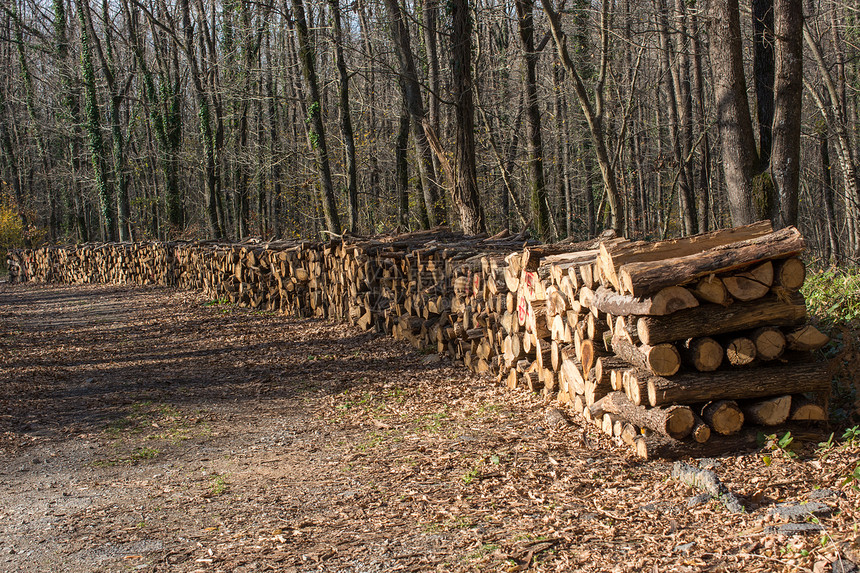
(465, 193)
(413, 101)
(316, 127)
(788, 92)
(593, 113)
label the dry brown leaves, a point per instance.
(172, 435)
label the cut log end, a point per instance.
(806, 338)
(724, 416)
(740, 351)
(769, 411)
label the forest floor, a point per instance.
(153, 430)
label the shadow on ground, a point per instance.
(76, 358)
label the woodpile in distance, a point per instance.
(675, 347)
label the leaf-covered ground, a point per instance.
(152, 430)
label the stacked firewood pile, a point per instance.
(145, 263)
(674, 347)
(671, 344)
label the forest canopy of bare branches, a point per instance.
(136, 119)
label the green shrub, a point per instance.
(833, 300)
(833, 295)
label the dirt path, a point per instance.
(146, 429)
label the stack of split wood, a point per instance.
(423, 287)
(672, 346)
(145, 263)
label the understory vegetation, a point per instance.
(833, 300)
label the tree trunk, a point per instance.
(593, 117)
(674, 93)
(537, 195)
(763, 70)
(703, 187)
(316, 128)
(562, 150)
(203, 114)
(274, 149)
(8, 155)
(788, 99)
(93, 125)
(465, 194)
(733, 115)
(685, 117)
(832, 247)
(345, 118)
(71, 106)
(119, 169)
(116, 93)
(401, 169)
(35, 128)
(210, 83)
(430, 15)
(833, 111)
(411, 91)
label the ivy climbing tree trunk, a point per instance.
(205, 122)
(70, 115)
(314, 119)
(93, 126)
(117, 89)
(164, 105)
(35, 127)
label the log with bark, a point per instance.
(740, 351)
(614, 256)
(701, 430)
(790, 274)
(668, 300)
(710, 320)
(805, 410)
(673, 421)
(704, 354)
(711, 289)
(806, 338)
(641, 279)
(751, 284)
(661, 359)
(769, 342)
(768, 411)
(739, 384)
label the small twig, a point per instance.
(610, 514)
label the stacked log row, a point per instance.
(545, 318)
(140, 263)
(664, 345)
(705, 333)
